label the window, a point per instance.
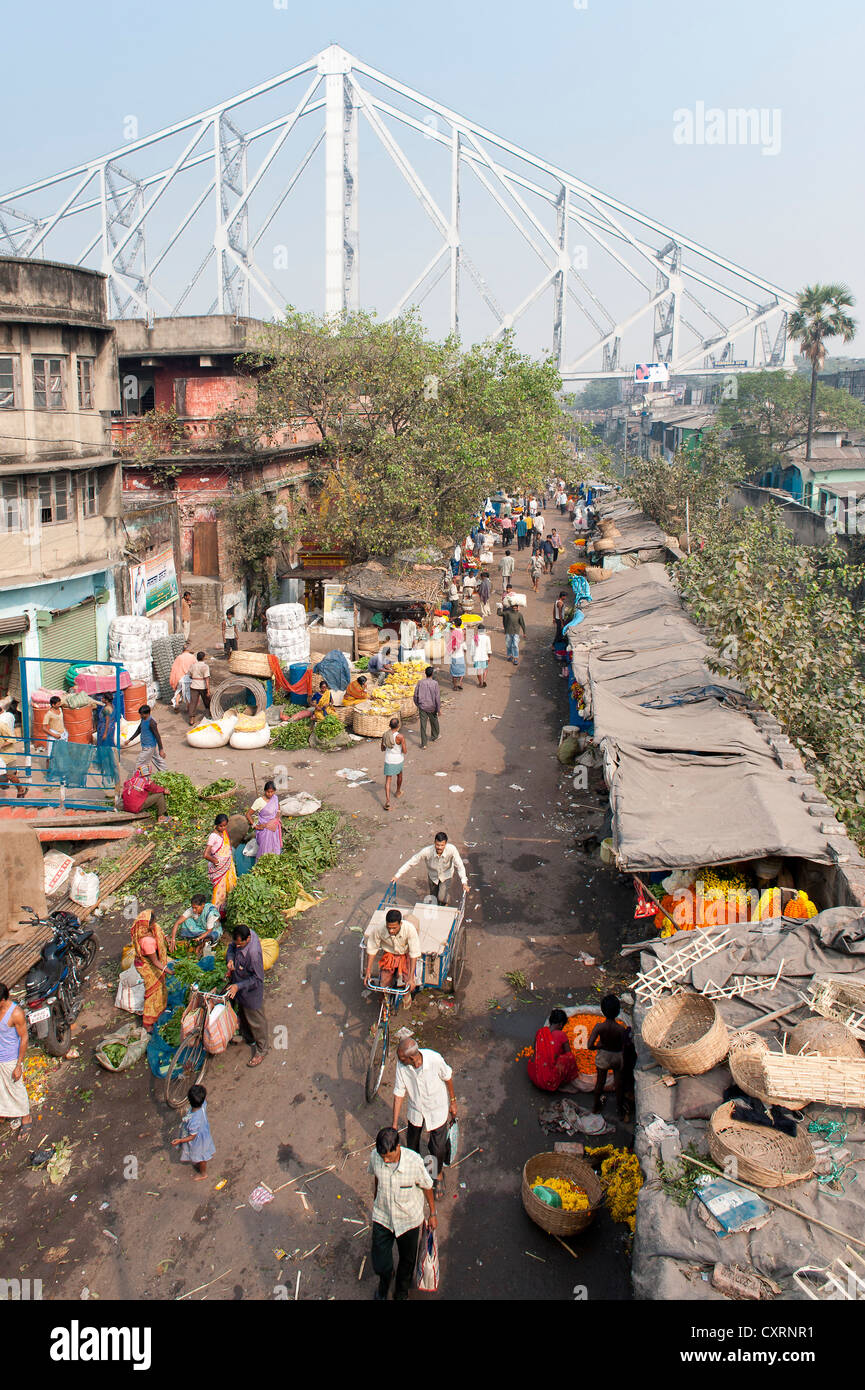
(55, 497)
(48, 383)
(7, 383)
(85, 383)
(90, 493)
(11, 505)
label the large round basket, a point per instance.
(230, 693)
(552, 1219)
(250, 664)
(595, 573)
(686, 1034)
(408, 709)
(745, 1069)
(345, 715)
(370, 725)
(827, 1037)
(762, 1156)
(221, 796)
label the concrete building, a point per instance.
(183, 384)
(60, 484)
(830, 482)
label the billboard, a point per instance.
(658, 372)
(153, 584)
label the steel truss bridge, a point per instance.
(175, 220)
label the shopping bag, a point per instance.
(189, 1022)
(130, 992)
(452, 1142)
(220, 1028)
(427, 1273)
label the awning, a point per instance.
(17, 623)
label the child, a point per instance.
(609, 1037)
(196, 1133)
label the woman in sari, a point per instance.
(355, 690)
(319, 705)
(456, 647)
(220, 861)
(268, 826)
(152, 964)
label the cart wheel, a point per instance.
(459, 960)
(377, 1060)
(186, 1068)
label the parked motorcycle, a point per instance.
(54, 984)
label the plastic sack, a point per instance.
(159, 1052)
(130, 992)
(57, 868)
(85, 888)
(568, 748)
(189, 1022)
(269, 952)
(212, 733)
(259, 739)
(220, 1028)
(250, 723)
(133, 1037)
(427, 1273)
(452, 1142)
(301, 804)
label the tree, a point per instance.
(770, 412)
(700, 477)
(258, 528)
(819, 316)
(414, 433)
(599, 395)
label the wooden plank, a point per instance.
(51, 834)
(130, 860)
(16, 959)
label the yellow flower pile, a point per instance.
(398, 685)
(573, 1197)
(621, 1179)
(717, 885)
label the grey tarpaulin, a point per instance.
(670, 1240)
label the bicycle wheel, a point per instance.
(459, 961)
(186, 1068)
(377, 1059)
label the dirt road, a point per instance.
(128, 1222)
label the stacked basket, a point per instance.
(287, 633)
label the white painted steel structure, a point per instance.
(686, 305)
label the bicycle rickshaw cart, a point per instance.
(443, 946)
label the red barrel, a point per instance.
(134, 696)
(79, 724)
(37, 722)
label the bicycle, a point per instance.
(189, 1060)
(391, 1000)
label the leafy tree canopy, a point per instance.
(770, 415)
(700, 476)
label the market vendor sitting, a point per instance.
(355, 690)
(199, 924)
(380, 662)
(398, 941)
(553, 1063)
(319, 706)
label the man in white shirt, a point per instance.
(402, 1184)
(425, 1077)
(399, 944)
(540, 525)
(439, 859)
(506, 565)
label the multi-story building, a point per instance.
(60, 484)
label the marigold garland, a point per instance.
(621, 1178)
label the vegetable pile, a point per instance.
(222, 784)
(115, 1052)
(290, 736)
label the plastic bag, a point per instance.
(220, 1028)
(452, 1142)
(130, 992)
(189, 1022)
(57, 867)
(85, 888)
(427, 1274)
(131, 1036)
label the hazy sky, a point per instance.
(593, 88)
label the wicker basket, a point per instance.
(552, 1219)
(762, 1155)
(345, 714)
(840, 999)
(408, 709)
(606, 543)
(594, 573)
(824, 1037)
(746, 1050)
(221, 796)
(686, 1034)
(369, 724)
(832, 1080)
(250, 664)
(229, 693)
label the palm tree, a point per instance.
(819, 315)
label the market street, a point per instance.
(535, 902)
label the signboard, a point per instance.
(153, 584)
(652, 372)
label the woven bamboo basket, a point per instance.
(370, 724)
(594, 573)
(250, 664)
(824, 1037)
(762, 1155)
(408, 709)
(686, 1034)
(606, 543)
(746, 1050)
(839, 999)
(221, 796)
(832, 1080)
(552, 1219)
(345, 714)
(609, 528)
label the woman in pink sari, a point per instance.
(268, 825)
(220, 861)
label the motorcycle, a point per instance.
(54, 984)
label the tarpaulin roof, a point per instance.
(692, 779)
(637, 531)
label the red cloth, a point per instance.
(301, 687)
(553, 1064)
(137, 790)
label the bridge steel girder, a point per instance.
(121, 190)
